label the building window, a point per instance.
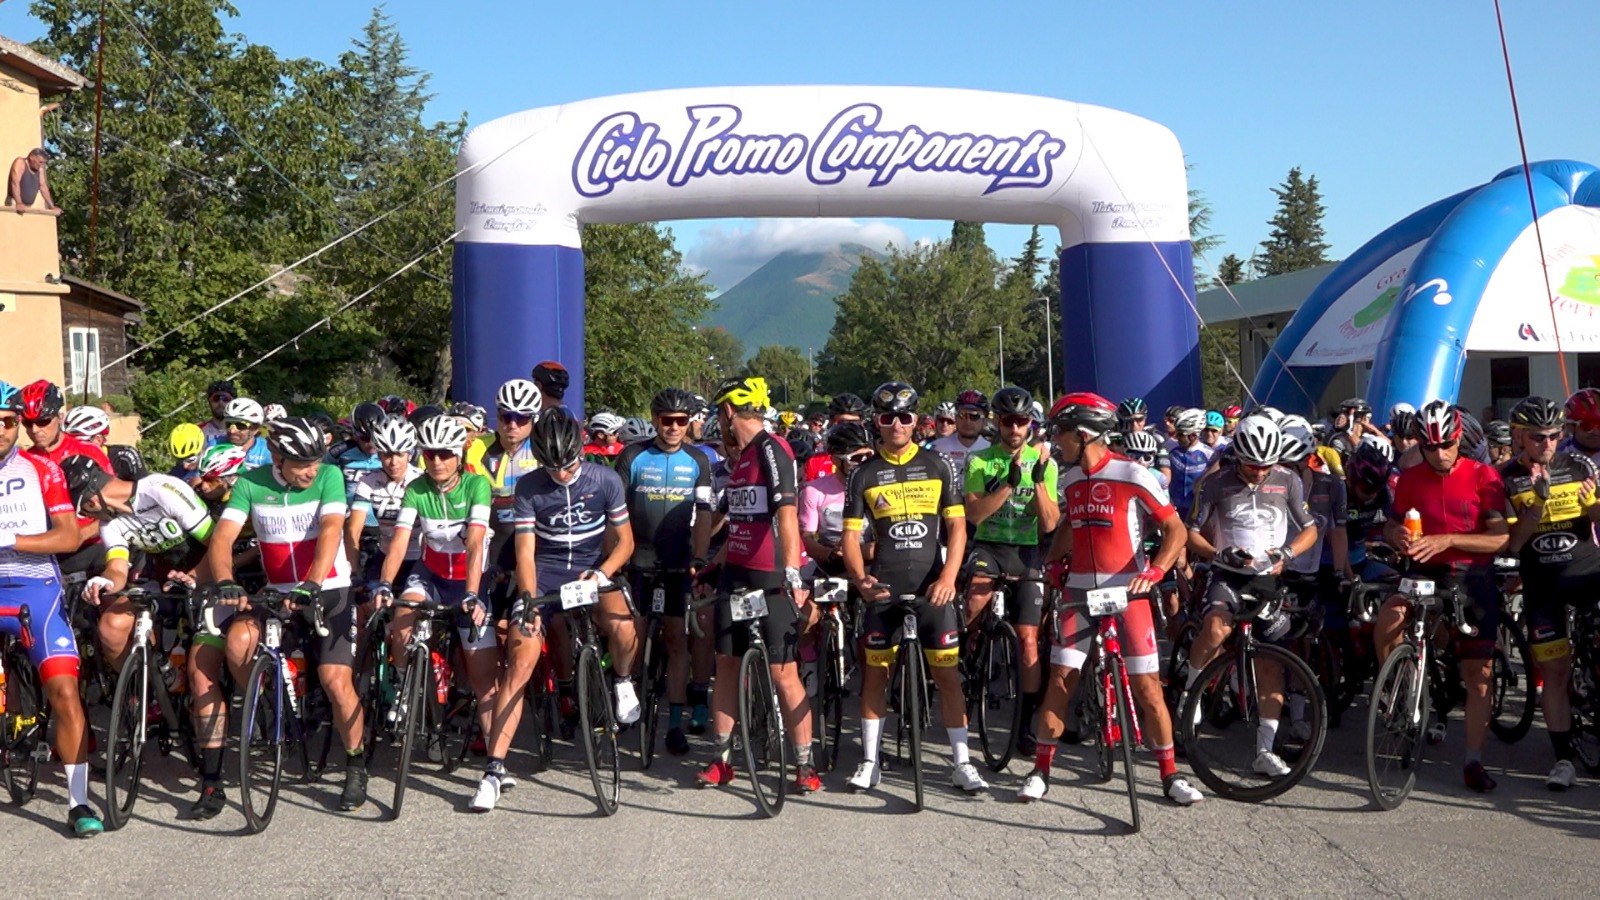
(85, 362)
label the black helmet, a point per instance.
(221, 386)
(1133, 408)
(557, 441)
(973, 399)
(674, 400)
(84, 477)
(552, 378)
(847, 404)
(846, 438)
(395, 405)
(894, 397)
(1474, 444)
(366, 417)
(1498, 432)
(126, 462)
(1367, 465)
(297, 438)
(803, 441)
(1403, 424)
(423, 413)
(1356, 405)
(1012, 401)
(1537, 412)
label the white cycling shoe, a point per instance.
(627, 703)
(1270, 764)
(1180, 791)
(1034, 787)
(1562, 777)
(965, 776)
(867, 776)
(487, 796)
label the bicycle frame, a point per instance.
(1107, 642)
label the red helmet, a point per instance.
(41, 400)
(1583, 408)
(1439, 423)
(1086, 412)
(1233, 412)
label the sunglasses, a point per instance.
(9, 422)
(1143, 459)
(1016, 421)
(945, 420)
(673, 421)
(37, 423)
(1546, 438)
(856, 458)
(971, 416)
(438, 454)
(1445, 445)
(905, 418)
(241, 426)
(224, 398)
(391, 454)
(507, 417)
(569, 467)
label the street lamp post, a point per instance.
(1001, 331)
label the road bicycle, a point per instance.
(1109, 714)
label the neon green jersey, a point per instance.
(1012, 523)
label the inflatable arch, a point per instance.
(1113, 183)
(1460, 275)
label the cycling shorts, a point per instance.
(674, 588)
(339, 616)
(938, 628)
(54, 652)
(1225, 589)
(1026, 606)
(424, 584)
(1482, 609)
(781, 627)
(1135, 626)
(1545, 596)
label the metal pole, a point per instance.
(94, 176)
(1000, 329)
(1049, 357)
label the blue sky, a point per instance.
(1391, 105)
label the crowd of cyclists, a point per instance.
(492, 513)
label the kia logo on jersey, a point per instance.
(908, 531)
(1559, 542)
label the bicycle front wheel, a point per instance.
(24, 704)
(915, 685)
(1128, 732)
(261, 734)
(1511, 691)
(125, 737)
(766, 748)
(1094, 718)
(597, 721)
(1000, 694)
(653, 684)
(827, 705)
(1397, 717)
(411, 711)
(1222, 724)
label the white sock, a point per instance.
(1266, 733)
(1193, 675)
(77, 784)
(958, 745)
(871, 734)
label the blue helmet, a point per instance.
(1214, 420)
(10, 398)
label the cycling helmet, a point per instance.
(846, 438)
(607, 422)
(1036, 412)
(1474, 444)
(341, 430)
(1403, 424)
(1233, 412)
(1088, 413)
(222, 461)
(1583, 408)
(1498, 433)
(674, 400)
(394, 435)
(557, 441)
(1140, 443)
(443, 433)
(127, 463)
(1367, 465)
(744, 394)
(84, 477)
(186, 441)
(1297, 441)
(1357, 406)
(1257, 441)
(425, 413)
(10, 398)
(477, 418)
(519, 396)
(897, 397)
(221, 386)
(366, 417)
(41, 400)
(848, 404)
(1272, 413)
(803, 442)
(395, 405)
(788, 419)
(945, 410)
(972, 400)
(1534, 412)
(552, 378)
(1133, 408)
(1438, 423)
(297, 438)
(1384, 447)
(272, 412)
(1214, 420)
(701, 407)
(711, 433)
(1012, 401)
(1190, 421)
(635, 429)
(1401, 407)
(1174, 410)
(243, 409)
(1291, 421)
(87, 421)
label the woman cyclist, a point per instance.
(822, 500)
(379, 496)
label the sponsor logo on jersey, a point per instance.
(1100, 492)
(908, 531)
(1558, 542)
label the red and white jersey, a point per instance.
(1106, 508)
(32, 489)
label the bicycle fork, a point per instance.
(1111, 643)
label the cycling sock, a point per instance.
(675, 715)
(1266, 734)
(1167, 759)
(871, 734)
(1561, 741)
(724, 746)
(1191, 677)
(958, 745)
(802, 755)
(1474, 756)
(77, 784)
(353, 757)
(211, 764)
(1044, 757)
(496, 767)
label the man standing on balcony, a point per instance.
(28, 182)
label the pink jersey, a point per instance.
(32, 489)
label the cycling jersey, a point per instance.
(1257, 518)
(822, 509)
(1106, 508)
(1329, 506)
(1364, 522)
(1569, 444)
(604, 454)
(257, 454)
(905, 496)
(1455, 503)
(71, 445)
(215, 430)
(958, 452)
(1011, 523)
(443, 517)
(379, 499)
(760, 483)
(1187, 466)
(354, 464)
(166, 520)
(1565, 535)
(288, 522)
(665, 490)
(32, 489)
(569, 520)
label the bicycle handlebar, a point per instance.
(24, 619)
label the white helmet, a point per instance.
(1401, 407)
(272, 412)
(1142, 442)
(1298, 441)
(1384, 447)
(518, 395)
(394, 435)
(1190, 421)
(1272, 413)
(1257, 441)
(87, 421)
(443, 433)
(243, 409)
(610, 423)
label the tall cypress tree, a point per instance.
(1297, 240)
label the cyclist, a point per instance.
(571, 524)
(763, 552)
(244, 420)
(1583, 424)
(1462, 503)
(39, 523)
(215, 474)
(1011, 497)
(41, 404)
(379, 496)
(186, 443)
(1498, 434)
(1231, 415)
(1132, 415)
(1316, 574)
(1552, 502)
(297, 508)
(218, 396)
(356, 457)
(1107, 500)
(1369, 478)
(667, 483)
(1357, 416)
(474, 417)
(605, 442)
(944, 420)
(842, 408)
(1403, 431)
(1143, 448)
(821, 515)
(552, 379)
(1212, 435)
(907, 495)
(1250, 520)
(90, 424)
(1188, 456)
(972, 411)
(505, 457)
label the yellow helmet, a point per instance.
(744, 394)
(788, 418)
(187, 440)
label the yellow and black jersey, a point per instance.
(1564, 527)
(904, 497)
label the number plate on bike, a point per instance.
(1421, 587)
(830, 590)
(658, 600)
(578, 594)
(748, 605)
(1107, 601)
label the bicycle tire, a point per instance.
(1177, 669)
(1316, 712)
(598, 724)
(1511, 692)
(24, 700)
(1118, 675)
(827, 706)
(124, 739)
(260, 743)
(1586, 735)
(413, 710)
(1001, 661)
(1401, 685)
(653, 682)
(766, 750)
(1093, 687)
(914, 682)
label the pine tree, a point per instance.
(1297, 239)
(1229, 271)
(966, 236)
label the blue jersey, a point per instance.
(1187, 467)
(257, 454)
(353, 464)
(664, 490)
(568, 521)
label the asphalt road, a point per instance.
(1323, 838)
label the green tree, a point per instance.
(389, 96)
(1229, 271)
(1297, 240)
(786, 371)
(724, 353)
(1201, 237)
(967, 237)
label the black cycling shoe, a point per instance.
(677, 742)
(212, 801)
(355, 788)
